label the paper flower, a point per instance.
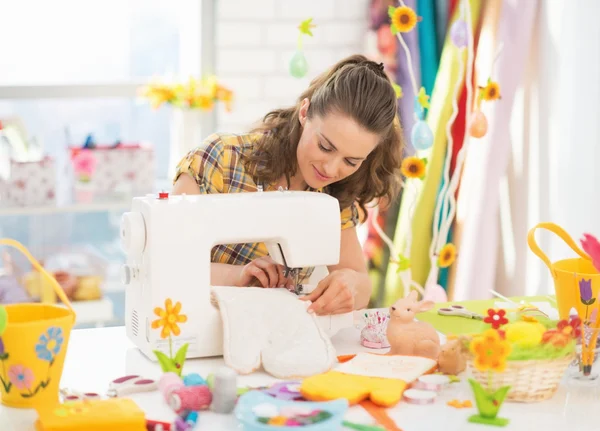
(84, 164)
(423, 98)
(570, 327)
(591, 246)
(447, 255)
(49, 344)
(556, 338)
(21, 377)
(169, 318)
(491, 91)
(305, 27)
(403, 19)
(413, 167)
(496, 318)
(585, 292)
(490, 351)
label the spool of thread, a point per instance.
(194, 379)
(192, 419)
(182, 425)
(169, 382)
(225, 390)
(431, 382)
(419, 396)
(191, 398)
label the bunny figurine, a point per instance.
(408, 337)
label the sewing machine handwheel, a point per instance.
(133, 233)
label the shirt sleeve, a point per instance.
(204, 164)
(350, 217)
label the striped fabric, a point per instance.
(217, 167)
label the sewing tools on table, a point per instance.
(190, 398)
(373, 334)
(459, 311)
(132, 384)
(168, 383)
(522, 307)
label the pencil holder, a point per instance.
(373, 334)
(576, 281)
(33, 347)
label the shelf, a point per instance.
(69, 208)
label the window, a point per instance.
(70, 68)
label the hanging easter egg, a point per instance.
(298, 65)
(479, 125)
(421, 135)
(459, 33)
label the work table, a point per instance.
(97, 356)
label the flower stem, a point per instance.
(170, 347)
(489, 380)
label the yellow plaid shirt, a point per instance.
(217, 167)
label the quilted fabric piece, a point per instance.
(271, 327)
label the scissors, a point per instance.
(460, 311)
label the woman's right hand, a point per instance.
(264, 272)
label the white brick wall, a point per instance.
(256, 39)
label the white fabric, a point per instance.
(271, 327)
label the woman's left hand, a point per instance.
(334, 294)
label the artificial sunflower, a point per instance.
(413, 167)
(490, 351)
(447, 255)
(491, 91)
(403, 18)
(169, 318)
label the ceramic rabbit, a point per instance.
(407, 336)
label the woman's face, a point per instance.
(331, 148)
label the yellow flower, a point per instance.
(413, 167)
(447, 255)
(526, 318)
(525, 334)
(404, 19)
(423, 98)
(490, 351)
(169, 318)
(398, 90)
(491, 91)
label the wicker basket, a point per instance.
(530, 381)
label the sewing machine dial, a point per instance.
(133, 233)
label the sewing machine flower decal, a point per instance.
(21, 377)
(168, 322)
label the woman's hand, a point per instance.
(335, 293)
(264, 272)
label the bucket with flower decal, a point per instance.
(33, 344)
(576, 280)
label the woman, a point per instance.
(342, 138)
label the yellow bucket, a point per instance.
(33, 347)
(576, 281)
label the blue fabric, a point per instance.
(427, 43)
(442, 10)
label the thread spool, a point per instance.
(182, 425)
(419, 396)
(192, 418)
(191, 398)
(194, 379)
(431, 382)
(225, 390)
(169, 382)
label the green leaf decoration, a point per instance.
(3, 319)
(403, 263)
(394, 29)
(424, 160)
(26, 395)
(165, 362)
(391, 11)
(179, 359)
(4, 357)
(6, 385)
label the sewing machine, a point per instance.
(168, 242)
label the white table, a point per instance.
(96, 356)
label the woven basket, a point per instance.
(529, 381)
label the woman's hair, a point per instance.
(360, 89)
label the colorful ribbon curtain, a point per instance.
(419, 196)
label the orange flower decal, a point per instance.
(490, 351)
(169, 318)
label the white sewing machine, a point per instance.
(168, 242)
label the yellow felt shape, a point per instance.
(354, 388)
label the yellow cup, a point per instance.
(576, 281)
(33, 347)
